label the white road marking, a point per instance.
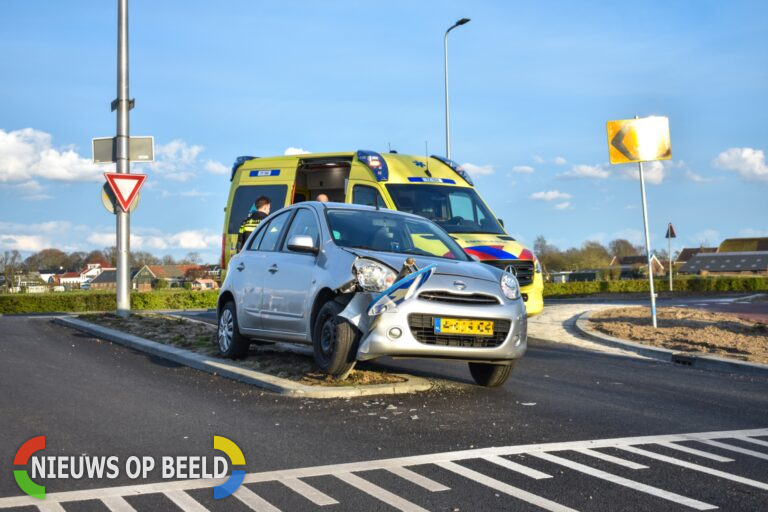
(379, 493)
(632, 484)
(253, 500)
(301, 487)
(625, 443)
(750, 440)
(696, 467)
(185, 502)
(504, 487)
(737, 449)
(50, 507)
(610, 458)
(118, 504)
(514, 466)
(694, 451)
(420, 480)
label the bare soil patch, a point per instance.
(201, 338)
(688, 330)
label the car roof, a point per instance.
(323, 206)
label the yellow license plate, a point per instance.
(459, 326)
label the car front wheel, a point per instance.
(491, 375)
(231, 343)
(334, 341)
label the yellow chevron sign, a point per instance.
(639, 140)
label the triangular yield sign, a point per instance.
(125, 187)
(671, 231)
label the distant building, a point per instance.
(175, 275)
(744, 245)
(633, 267)
(687, 253)
(205, 284)
(107, 280)
(728, 263)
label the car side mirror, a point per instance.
(501, 222)
(302, 243)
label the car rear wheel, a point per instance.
(491, 375)
(334, 341)
(231, 343)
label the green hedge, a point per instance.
(687, 284)
(75, 302)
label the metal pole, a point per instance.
(669, 256)
(447, 111)
(123, 165)
(647, 244)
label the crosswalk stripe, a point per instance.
(303, 488)
(514, 466)
(520, 494)
(694, 451)
(736, 449)
(253, 500)
(632, 484)
(117, 504)
(696, 467)
(379, 493)
(51, 506)
(418, 479)
(751, 440)
(610, 458)
(185, 502)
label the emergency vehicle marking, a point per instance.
(431, 180)
(257, 173)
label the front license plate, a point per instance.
(459, 326)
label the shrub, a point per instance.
(687, 284)
(76, 302)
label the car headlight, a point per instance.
(509, 286)
(373, 276)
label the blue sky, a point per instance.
(532, 85)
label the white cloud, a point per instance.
(193, 239)
(176, 160)
(538, 159)
(696, 178)
(753, 233)
(478, 170)
(587, 171)
(560, 160)
(748, 162)
(564, 206)
(194, 193)
(523, 169)
(550, 195)
(655, 172)
(633, 235)
(25, 243)
(28, 153)
(295, 151)
(709, 237)
(215, 167)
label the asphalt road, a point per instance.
(95, 398)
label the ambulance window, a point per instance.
(367, 196)
(244, 198)
(462, 206)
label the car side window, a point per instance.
(256, 240)
(367, 196)
(304, 223)
(273, 231)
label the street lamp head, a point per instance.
(462, 21)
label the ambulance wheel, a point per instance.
(231, 343)
(334, 340)
(491, 375)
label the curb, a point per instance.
(224, 369)
(670, 356)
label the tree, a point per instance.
(192, 258)
(76, 261)
(168, 260)
(109, 254)
(141, 258)
(47, 259)
(622, 247)
(10, 264)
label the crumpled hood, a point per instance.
(467, 269)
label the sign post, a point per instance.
(669, 236)
(641, 140)
(122, 163)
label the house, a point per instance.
(213, 271)
(107, 280)
(757, 244)
(77, 279)
(687, 253)
(205, 284)
(633, 267)
(728, 263)
(174, 275)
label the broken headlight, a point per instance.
(373, 276)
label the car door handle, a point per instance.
(273, 268)
(240, 267)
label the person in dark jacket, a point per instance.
(259, 211)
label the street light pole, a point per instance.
(122, 163)
(459, 23)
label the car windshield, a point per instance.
(389, 232)
(456, 209)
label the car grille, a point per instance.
(523, 269)
(473, 299)
(423, 329)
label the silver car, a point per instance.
(359, 283)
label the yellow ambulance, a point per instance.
(433, 187)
